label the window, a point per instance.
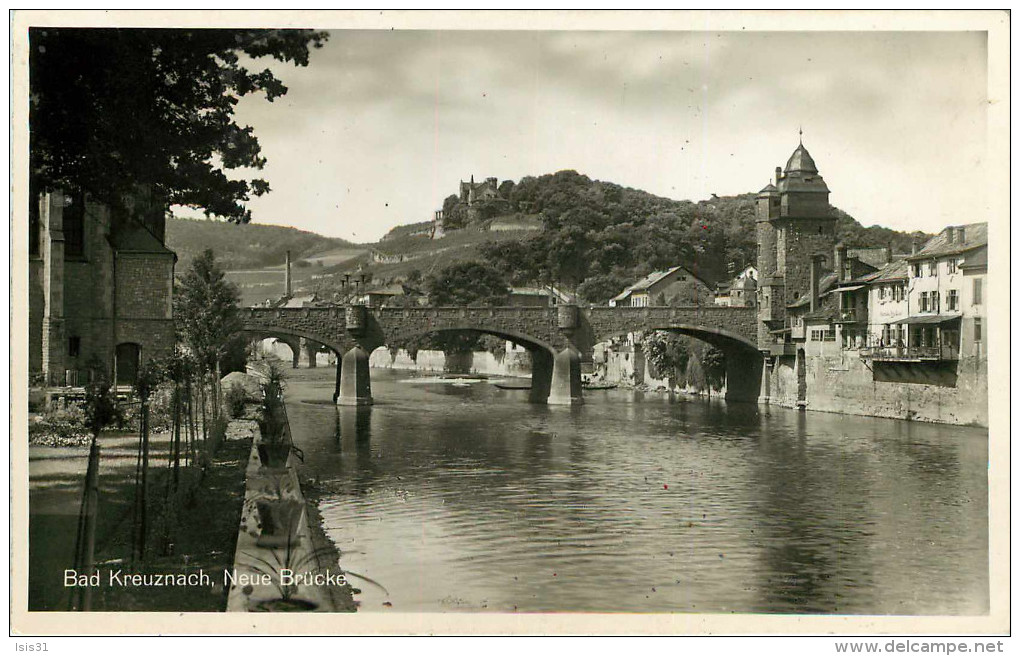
(977, 330)
(74, 346)
(915, 270)
(934, 301)
(74, 225)
(977, 291)
(933, 268)
(951, 266)
(924, 301)
(953, 300)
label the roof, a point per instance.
(745, 283)
(801, 160)
(976, 260)
(767, 189)
(133, 237)
(896, 270)
(974, 236)
(876, 257)
(824, 285)
(392, 290)
(298, 301)
(653, 278)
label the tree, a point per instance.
(599, 289)
(467, 283)
(713, 362)
(206, 313)
(115, 110)
(463, 283)
(669, 354)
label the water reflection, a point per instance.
(468, 498)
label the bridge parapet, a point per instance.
(717, 324)
(530, 326)
(325, 325)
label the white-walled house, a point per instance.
(888, 305)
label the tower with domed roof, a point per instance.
(793, 225)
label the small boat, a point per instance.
(598, 386)
(513, 386)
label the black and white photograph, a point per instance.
(447, 319)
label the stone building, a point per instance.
(793, 225)
(471, 192)
(100, 288)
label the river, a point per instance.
(464, 497)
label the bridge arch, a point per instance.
(744, 362)
(543, 354)
(725, 340)
(394, 338)
(289, 335)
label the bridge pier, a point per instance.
(765, 389)
(312, 350)
(743, 375)
(354, 384)
(541, 375)
(566, 378)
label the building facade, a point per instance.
(675, 286)
(100, 288)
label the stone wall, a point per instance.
(797, 243)
(854, 386)
(144, 286)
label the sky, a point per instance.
(382, 125)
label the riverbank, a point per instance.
(195, 538)
(282, 560)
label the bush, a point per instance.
(235, 399)
(67, 426)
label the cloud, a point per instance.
(381, 125)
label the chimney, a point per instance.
(888, 254)
(816, 265)
(779, 174)
(961, 235)
(914, 245)
(839, 262)
(286, 278)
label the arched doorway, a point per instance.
(127, 361)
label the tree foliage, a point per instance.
(463, 283)
(205, 310)
(115, 109)
(669, 354)
(467, 283)
(598, 232)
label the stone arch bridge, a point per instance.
(557, 337)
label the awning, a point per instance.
(928, 319)
(848, 289)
